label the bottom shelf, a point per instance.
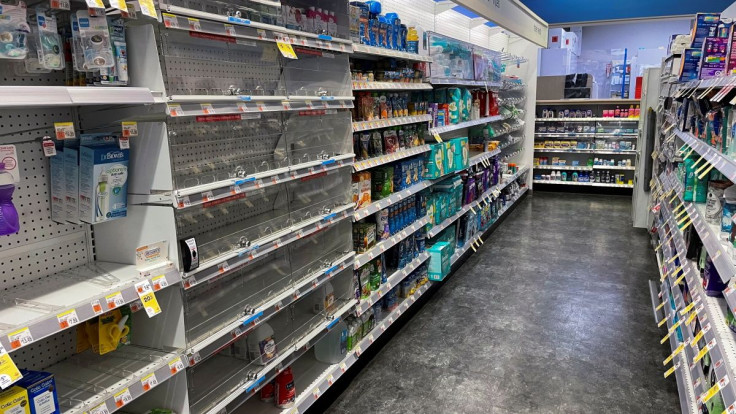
(587, 184)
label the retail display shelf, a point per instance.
(588, 101)
(614, 167)
(465, 82)
(482, 157)
(714, 83)
(91, 383)
(390, 86)
(391, 282)
(583, 183)
(363, 165)
(710, 234)
(511, 141)
(236, 188)
(653, 293)
(253, 318)
(60, 301)
(230, 28)
(237, 258)
(586, 151)
(394, 198)
(720, 161)
(514, 128)
(717, 336)
(384, 245)
(389, 122)
(584, 135)
(53, 96)
(308, 393)
(233, 107)
(359, 49)
(511, 101)
(564, 167)
(587, 119)
(462, 250)
(467, 124)
(250, 385)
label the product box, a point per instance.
(41, 391)
(434, 161)
(361, 189)
(364, 236)
(705, 25)
(713, 58)
(450, 164)
(14, 400)
(690, 64)
(462, 152)
(103, 183)
(439, 261)
(731, 58)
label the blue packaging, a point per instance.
(103, 183)
(403, 44)
(728, 212)
(41, 389)
(420, 237)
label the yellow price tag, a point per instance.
(700, 354)
(119, 4)
(697, 338)
(437, 136)
(660, 306)
(679, 279)
(711, 392)
(148, 298)
(287, 50)
(687, 308)
(690, 318)
(674, 354)
(662, 322)
(9, 373)
(676, 325)
(671, 370)
(673, 197)
(663, 340)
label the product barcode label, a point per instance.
(194, 24)
(114, 300)
(149, 381)
(100, 409)
(20, 338)
(67, 319)
(175, 366)
(65, 130)
(122, 398)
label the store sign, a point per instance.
(512, 16)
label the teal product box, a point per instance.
(58, 187)
(71, 180)
(434, 161)
(41, 389)
(462, 153)
(450, 163)
(103, 183)
(440, 257)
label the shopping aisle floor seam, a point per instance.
(552, 315)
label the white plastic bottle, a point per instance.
(334, 346)
(323, 299)
(262, 345)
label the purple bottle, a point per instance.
(9, 223)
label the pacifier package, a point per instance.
(14, 31)
(94, 37)
(48, 41)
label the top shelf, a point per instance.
(587, 119)
(54, 96)
(588, 101)
(464, 82)
(365, 50)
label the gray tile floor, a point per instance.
(552, 315)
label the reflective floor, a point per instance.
(552, 315)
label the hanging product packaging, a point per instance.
(715, 200)
(48, 43)
(13, 31)
(9, 221)
(94, 38)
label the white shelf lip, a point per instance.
(613, 167)
(587, 101)
(164, 366)
(385, 159)
(236, 188)
(307, 397)
(389, 122)
(717, 82)
(583, 183)
(708, 235)
(236, 259)
(467, 124)
(587, 119)
(461, 251)
(284, 359)
(39, 313)
(719, 335)
(394, 198)
(391, 282)
(588, 151)
(242, 326)
(382, 52)
(229, 107)
(464, 82)
(564, 167)
(477, 159)
(382, 246)
(438, 228)
(584, 135)
(722, 162)
(383, 86)
(53, 96)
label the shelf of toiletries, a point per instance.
(389, 122)
(586, 151)
(542, 135)
(583, 168)
(584, 183)
(608, 119)
(390, 86)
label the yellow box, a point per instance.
(14, 400)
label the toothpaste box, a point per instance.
(103, 183)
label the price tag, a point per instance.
(671, 370)
(207, 196)
(95, 4)
(150, 303)
(114, 300)
(124, 142)
(315, 392)
(677, 351)
(65, 130)
(714, 389)
(194, 24)
(60, 4)
(230, 30)
(96, 307)
(122, 398)
(175, 110)
(170, 20)
(330, 379)
(147, 8)
(159, 282)
(9, 373)
(20, 338)
(207, 108)
(49, 148)
(343, 367)
(176, 365)
(100, 409)
(286, 50)
(149, 381)
(120, 5)
(67, 319)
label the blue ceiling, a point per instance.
(567, 11)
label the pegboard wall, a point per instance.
(14, 74)
(41, 354)
(42, 246)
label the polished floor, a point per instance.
(552, 315)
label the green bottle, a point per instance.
(689, 180)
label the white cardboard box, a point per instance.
(561, 39)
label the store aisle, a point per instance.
(551, 316)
